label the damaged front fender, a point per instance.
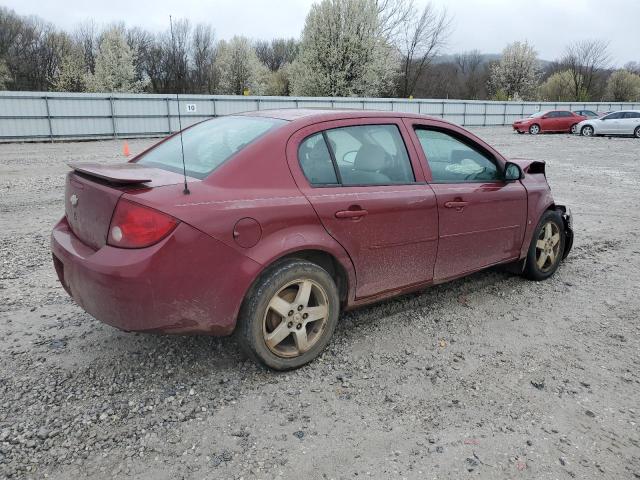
(567, 218)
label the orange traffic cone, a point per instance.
(125, 149)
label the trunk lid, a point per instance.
(92, 191)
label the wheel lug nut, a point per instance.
(290, 312)
(305, 315)
(300, 307)
(299, 326)
(290, 324)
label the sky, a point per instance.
(487, 25)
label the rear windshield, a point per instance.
(208, 144)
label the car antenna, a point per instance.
(184, 166)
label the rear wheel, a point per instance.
(574, 128)
(290, 315)
(534, 129)
(587, 131)
(547, 247)
(636, 132)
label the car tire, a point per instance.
(534, 129)
(636, 132)
(587, 131)
(274, 325)
(546, 250)
(574, 128)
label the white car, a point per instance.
(624, 122)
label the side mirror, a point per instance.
(512, 172)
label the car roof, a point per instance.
(313, 115)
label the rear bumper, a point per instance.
(187, 283)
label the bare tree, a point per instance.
(633, 67)
(204, 76)
(472, 72)
(140, 42)
(422, 37)
(86, 36)
(585, 59)
(276, 53)
(392, 15)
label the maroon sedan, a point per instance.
(549, 121)
(292, 216)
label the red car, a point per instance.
(549, 121)
(293, 215)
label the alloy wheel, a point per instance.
(587, 131)
(548, 247)
(534, 129)
(295, 318)
(574, 128)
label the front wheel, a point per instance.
(547, 247)
(587, 131)
(534, 129)
(289, 316)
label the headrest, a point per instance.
(370, 158)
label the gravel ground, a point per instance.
(491, 376)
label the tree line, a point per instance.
(371, 48)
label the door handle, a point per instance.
(458, 205)
(351, 213)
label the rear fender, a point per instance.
(295, 239)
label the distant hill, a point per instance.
(486, 58)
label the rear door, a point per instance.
(363, 183)
(566, 120)
(482, 218)
(630, 122)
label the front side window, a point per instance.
(612, 116)
(453, 161)
(208, 144)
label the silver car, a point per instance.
(624, 122)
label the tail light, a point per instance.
(137, 226)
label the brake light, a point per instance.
(136, 226)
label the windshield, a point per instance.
(208, 144)
(537, 114)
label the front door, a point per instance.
(610, 123)
(369, 195)
(482, 218)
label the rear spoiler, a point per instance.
(120, 173)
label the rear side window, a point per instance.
(208, 144)
(452, 161)
(316, 162)
(632, 115)
(370, 155)
(359, 155)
